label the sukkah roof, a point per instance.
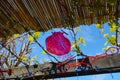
(18, 16)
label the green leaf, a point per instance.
(113, 27)
(23, 58)
(36, 35)
(43, 52)
(30, 38)
(105, 35)
(98, 26)
(112, 40)
(81, 40)
(77, 49)
(16, 35)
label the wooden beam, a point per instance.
(86, 66)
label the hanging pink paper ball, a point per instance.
(57, 44)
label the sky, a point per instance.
(94, 41)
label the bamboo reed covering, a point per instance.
(18, 16)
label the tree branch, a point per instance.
(42, 47)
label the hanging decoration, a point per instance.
(58, 44)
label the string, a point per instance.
(43, 48)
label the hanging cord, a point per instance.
(42, 47)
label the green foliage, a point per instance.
(113, 35)
(106, 35)
(35, 35)
(43, 52)
(98, 26)
(81, 40)
(75, 45)
(16, 35)
(113, 26)
(112, 40)
(30, 38)
(23, 58)
(27, 58)
(76, 48)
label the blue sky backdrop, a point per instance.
(94, 44)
